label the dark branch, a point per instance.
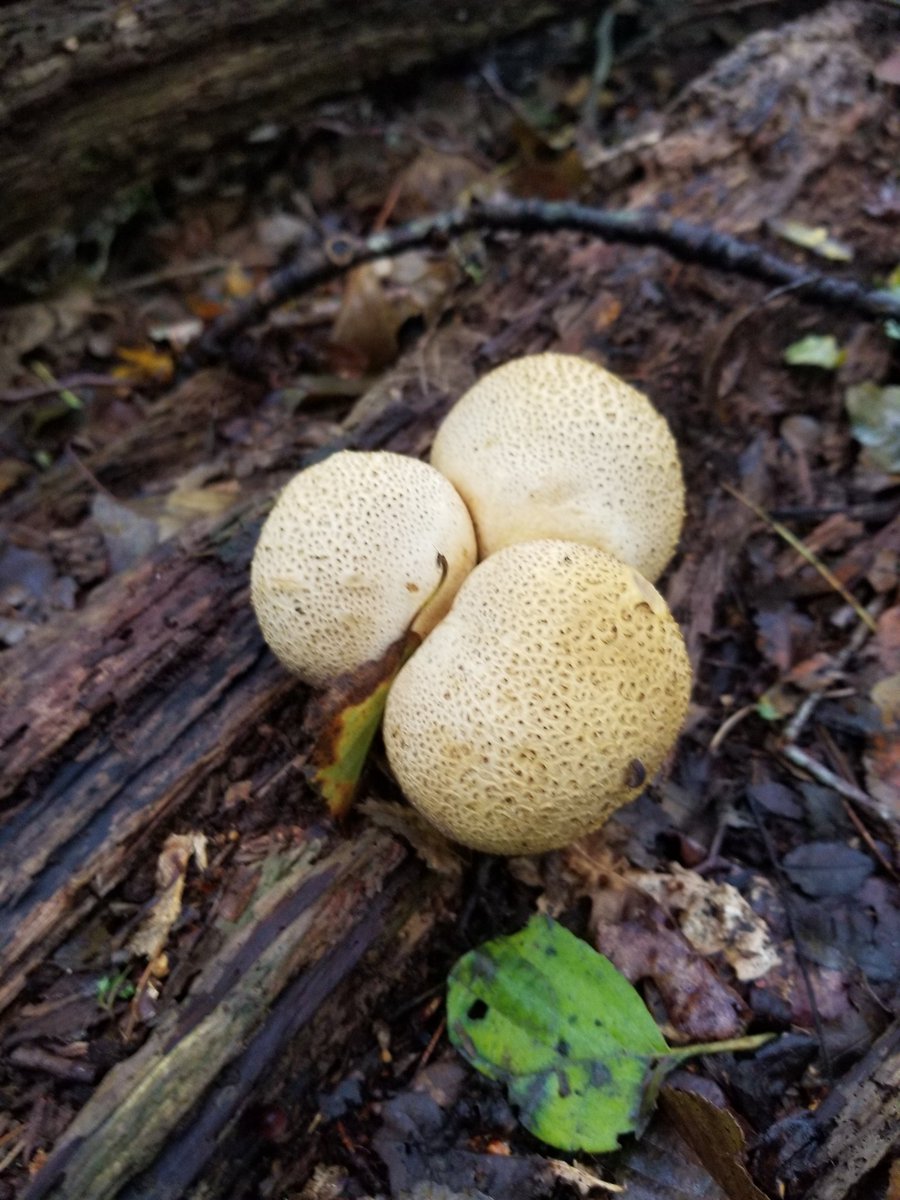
(686, 242)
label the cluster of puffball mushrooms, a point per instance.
(552, 680)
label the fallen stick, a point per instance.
(684, 241)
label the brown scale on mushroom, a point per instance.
(554, 446)
(348, 556)
(514, 728)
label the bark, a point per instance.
(100, 97)
(115, 729)
(859, 1123)
(156, 685)
(260, 994)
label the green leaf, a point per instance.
(817, 350)
(768, 710)
(556, 1022)
(343, 721)
(567, 1034)
(875, 420)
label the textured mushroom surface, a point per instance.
(348, 556)
(553, 446)
(546, 698)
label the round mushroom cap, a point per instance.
(552, 690)
(349, 555)
(554, 446)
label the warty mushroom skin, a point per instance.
(348, 556)
(554, 446)
(552, 690)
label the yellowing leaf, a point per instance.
(237, 283)
(816, 350)
(171, 868)
(813, 237)
(144, 361)
(344, 721)
(345, 718)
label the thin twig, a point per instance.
(428, 1052)
(83, 380)
(728, 724)
(843, 769)
(689, 243)
(83, 469)
(603, 50)
(190, 270)
(857, 640)
(804, 551)
(13, 1153)
(829, 778)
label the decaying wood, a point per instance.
(104, 734)
(859, 1122)
(104, 97)
(148, 692)
(306, 934)
(109, 729)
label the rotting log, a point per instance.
(105, 735)
(306, 934)
(119, 720)
(105, 98)
(96, 748)
(107, 728)
(856, 1127)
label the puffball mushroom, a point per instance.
(548, 695)
(348, 560)
(553, 446)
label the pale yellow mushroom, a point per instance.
(553, 446)
(545, 699)
(349, 556)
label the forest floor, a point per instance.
(754, 887)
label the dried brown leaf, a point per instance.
(367, 322)
(715, 1137)
(171, 868)
(715, 918)
(698, 1004)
